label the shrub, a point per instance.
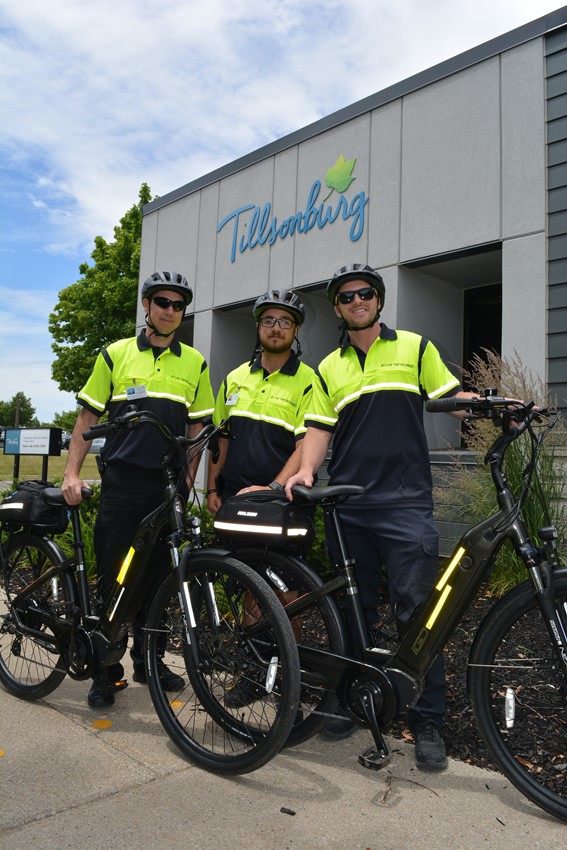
(473, 490)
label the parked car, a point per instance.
(96, 445)
(65, 439)
(2, 437)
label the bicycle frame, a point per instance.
(102, 632)
(401, 673)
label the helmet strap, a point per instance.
(154, 330)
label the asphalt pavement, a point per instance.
(72, 778)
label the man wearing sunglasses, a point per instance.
(265, 401)
(370, 402)
(154, 372)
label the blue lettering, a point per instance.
(234, 215)
(262, 227)
(266, 226)
(356, 209)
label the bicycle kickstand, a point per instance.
(374, 758)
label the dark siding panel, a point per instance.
(557, 107)
(557, 272)
(557, 153)
(557, 63)
(557, 176)
(557, 223)
(558, 371)
(557, 85)
(555, 41)
(558, 321)
(557, 248)
(556, 88)
(558, 296)
(557, 130)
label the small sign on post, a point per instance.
(42, 442)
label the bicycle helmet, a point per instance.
(167, 280)
(356, 271)
(284, 299)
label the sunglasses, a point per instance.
(271, 322)
(366, 294)
(164, 303)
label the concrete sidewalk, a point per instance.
(67, 784)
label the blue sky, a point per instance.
(97, 98)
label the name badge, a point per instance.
(231, 399)
(134, 393)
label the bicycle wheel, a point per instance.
(519, 696)
(30, 667)
(320, 626)
(242, 638)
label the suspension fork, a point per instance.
(543, 577)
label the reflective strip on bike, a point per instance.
(448, 572)
(116, 604)
(125, 564)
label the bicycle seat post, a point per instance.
(346, 566)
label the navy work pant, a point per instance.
(128, 494)
(404, 543)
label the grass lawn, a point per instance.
(31, 467)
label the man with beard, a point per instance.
(265, 402)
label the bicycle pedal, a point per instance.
(374, 759)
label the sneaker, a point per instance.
(99, 699)
(338, 728)
(169, 680)
(241, 694)
(430, 751)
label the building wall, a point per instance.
(444, 171)
(556, 73)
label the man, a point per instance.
(157, 373)
(265, 402)
(370, 401)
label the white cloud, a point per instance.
(99, 98)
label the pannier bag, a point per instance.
(264, 517)
(26, 507)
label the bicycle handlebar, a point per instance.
(133, 418)
(490, 407)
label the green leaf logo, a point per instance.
(340, 177)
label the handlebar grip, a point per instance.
(87, 492)
(444, 405)
(98, 431)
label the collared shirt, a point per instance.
(172, 382)
(373, 405)
(266, 418)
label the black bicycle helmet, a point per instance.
(167, 280)
(284, 299)
(356, 271)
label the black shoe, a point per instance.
(99, 699)
(338, 728)
(430, 751)
(241, 694)
(169, 680)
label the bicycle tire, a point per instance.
(512, 664)
(321, 626)
(232, 649)
(29, 667)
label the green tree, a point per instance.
(19, 410)
(66, 419)
(100, 307)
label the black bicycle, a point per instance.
(199, 622)
(517, 668)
